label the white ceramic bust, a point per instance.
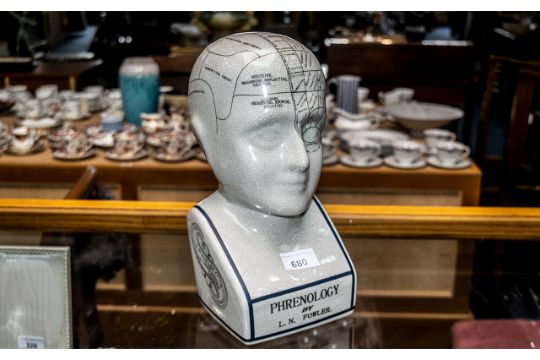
(268, 261)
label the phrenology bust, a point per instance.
(267, 258)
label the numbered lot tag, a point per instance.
(31, 342)
(300, 259)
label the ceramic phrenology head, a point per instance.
(258, 109)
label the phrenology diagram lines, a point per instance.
(263, 64)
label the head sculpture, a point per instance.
(258, 109)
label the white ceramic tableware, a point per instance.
(364, 150)
(23, 139)
(76, 143)
(408, 151)
(127, 143)
(450, 152)
(152, 122)
(34, 109)
(361, 94)
(396, 96)
(433, 136)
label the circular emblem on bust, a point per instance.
(211, 274)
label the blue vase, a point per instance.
(139, 84)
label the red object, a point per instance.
(496, 334)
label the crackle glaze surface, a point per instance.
(268, 261)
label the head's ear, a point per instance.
(203, 114)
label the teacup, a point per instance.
(76, 143)
(71, 109)
(17, 89)
(363, 150)
(396, 96)
(152, 122)
(66, 95)
(433, 136)
(362, 94)
(47, 91)
(34, 109)
(450, 152)
(23, 139)
(408, 152)
(90, 102)
(174, 143)
(128, 143)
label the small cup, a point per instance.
(434, 136)
(152, 122)
(363, 150)
(450, 152)
(23, 138)
(34, 109)
(408, 152)
(72, 109)
(47, 91)
(76, 143)
(396, 96)
(362, 94)
(127, 143)
(174, 143)
(66, 95)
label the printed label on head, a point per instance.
(211, 273)
(300, 308)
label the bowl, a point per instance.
(417, 116)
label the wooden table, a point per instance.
(194, 174)
(64, 74)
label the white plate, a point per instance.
(419, 116)
(330, 160)
(392, 161)
(161, 156)
(45, 123)
(61, 155)
(111, 155)
(66, 117)
(349, 161)
(435, 162)
(382, 136)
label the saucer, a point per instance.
(37, 147)
(330, 160)
(349, 161)
(161, 156)
(61, 155)
(392, 161)
(435, 162)
(71, 117)
(111, 155)
(44, 123)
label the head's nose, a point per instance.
(294, 154)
